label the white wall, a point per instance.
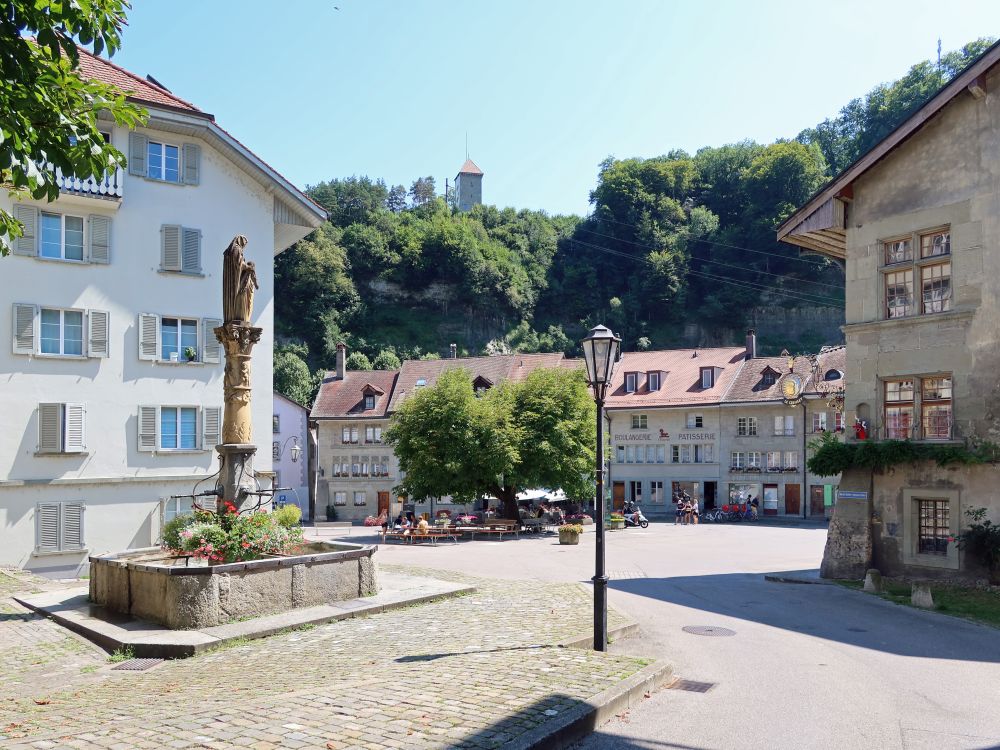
(225, 203)
(293, 421)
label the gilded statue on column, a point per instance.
(239, 282)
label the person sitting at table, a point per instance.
(400, 520)
(422, 525)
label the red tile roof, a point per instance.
(470, 168)
(495, 369)
(680, 382)
(830, 358)
(346, 398)
(138, 89)
(749, 385)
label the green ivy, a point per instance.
(831, 457)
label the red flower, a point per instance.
(229, 506)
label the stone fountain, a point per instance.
(155, 585)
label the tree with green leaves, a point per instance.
(48, 111)
(395, 201)
(422, 191)
(358, 361)
(292, 377)
(539, 432)
(386, 360)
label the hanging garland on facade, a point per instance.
(831, 457)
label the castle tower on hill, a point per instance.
(469, 186)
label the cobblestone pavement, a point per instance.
(469, 672)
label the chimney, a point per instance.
(341, 360)
(454, 350)
(751, 343)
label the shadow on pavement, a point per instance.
(829, 612)
(435, 657)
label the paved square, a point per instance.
(475, 672)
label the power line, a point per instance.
(822, 264)
(799, 296)
(721, 263)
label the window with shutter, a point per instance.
(192, 163)
(191, 250)
(212, 427)
(47, 527)
(100, 239)
(211, 349)
(71, 527)
(50, 428)
(28, 216)
(97, 334)
(147, 428)
(170, 247)
(149, 334)
(24, 328)
(74, 440)
(137, 146)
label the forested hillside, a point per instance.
(678, 249)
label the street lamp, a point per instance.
(601, 349)
(278, 449)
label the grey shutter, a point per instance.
(24, 328)
(170, 247)
(192, 163)
(27, 243)
(211, 349)
(47, 527)
(100, 239)
(74, 437)
(71, 526)
(211, 423)
(147, 428)
(149, 336)
(97, 333)
(138, 146)
(50, 428)
(191, 250)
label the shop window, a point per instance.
(934, 527)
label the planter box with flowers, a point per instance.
(217, 568)
(569, 533)
(581, 518)
(616, 522)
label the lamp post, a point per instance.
(601, 349)
(279, 448)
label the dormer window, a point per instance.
(481, 384)
(420, 383)
(769, 377)
(370, 394)
(707, 377)
(369, 402)
(833, 375)
(630, 381)
(653, 380)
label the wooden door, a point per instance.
(793, 500)
(618, 496)
(816, 505)
(383, 504)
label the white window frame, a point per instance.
(620, 453)
(786, 427)
(62, 332)
(707, 378)
(746, 426)
(163, 170)
(695, 421)
(675, 454)
(708, 453)
(773, 461)
(819, 421)
(738, 460)
(630, 454)
(340, 497)
(180, 349)
(653, 380)
(791, 460)
(176, 506)
(640, 422)
(686, 453)
(656, 492)
(369, 402)
(197, 428)
(62, 237)
(64, 447)
(364, 498)
(661, 454)
(753, 460)
(631, 380)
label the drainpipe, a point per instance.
(805, 487)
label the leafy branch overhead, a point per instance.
(49, 113)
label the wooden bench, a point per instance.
(497, 527)
(410, 536)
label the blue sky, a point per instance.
(544, 89)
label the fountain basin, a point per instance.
(180, 594)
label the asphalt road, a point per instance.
(809, 666)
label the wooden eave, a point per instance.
(805, 227)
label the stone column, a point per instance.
(237, 449)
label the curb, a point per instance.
(778, 578)
(622, 632)
(581, 720)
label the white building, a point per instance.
(290, 452)
(112, 382)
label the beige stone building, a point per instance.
(714, 423)
(916, 222)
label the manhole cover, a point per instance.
(707, 630)
(691, 686)
(138, 665)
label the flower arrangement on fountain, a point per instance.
(230, 536)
